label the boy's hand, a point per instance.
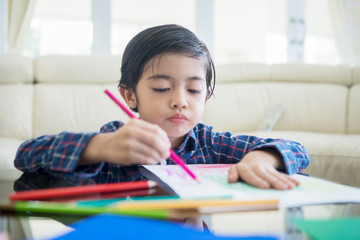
(137, 142)
(258, 168)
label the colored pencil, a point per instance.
(221, 204)
(173, 155)
(106, 202)
(80, 190)
(204, 205)
(41, 208)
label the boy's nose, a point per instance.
(178, 101)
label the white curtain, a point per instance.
(20, 14)
(346, 26)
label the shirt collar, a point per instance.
(190, 143)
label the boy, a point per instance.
(167, 75)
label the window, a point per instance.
(130, 17)
(237, 30)
(60, 27)
(319, 37)
(250, 31)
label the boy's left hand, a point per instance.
(258, 168)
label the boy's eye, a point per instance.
(194, 91)
(160, 89)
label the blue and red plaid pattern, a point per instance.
(59, 154)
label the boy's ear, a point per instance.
(129, 97)
(207, 97)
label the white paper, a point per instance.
(213, 178)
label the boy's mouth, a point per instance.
(178, 118)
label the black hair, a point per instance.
(158, 40)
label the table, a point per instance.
(13, 226)
(21, 227)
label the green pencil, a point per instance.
(73, 209)
(107, 202)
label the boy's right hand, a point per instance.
(137, 142)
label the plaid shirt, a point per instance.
(59, 154)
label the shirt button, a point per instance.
(163, 162)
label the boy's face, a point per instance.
(171, 93)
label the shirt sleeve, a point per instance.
(59, 153)
(294, 155)
(230, 148)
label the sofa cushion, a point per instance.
(354, 103)
(311, 73)
(356, 75)
(242, 73)
(354, 110)
(15, 69)
(74, 107)
(16, 110)
(333, 156)
(308, 107)
(8, 150)
(78, 69)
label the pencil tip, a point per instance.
(152, 184)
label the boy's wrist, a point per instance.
(93, 151)
(274, 156)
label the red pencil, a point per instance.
(80, 190)
(173, 155)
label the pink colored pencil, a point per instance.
(173, 155)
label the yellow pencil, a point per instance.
(202, 205)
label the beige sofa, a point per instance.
(321, 105)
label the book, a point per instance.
(213, 178)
